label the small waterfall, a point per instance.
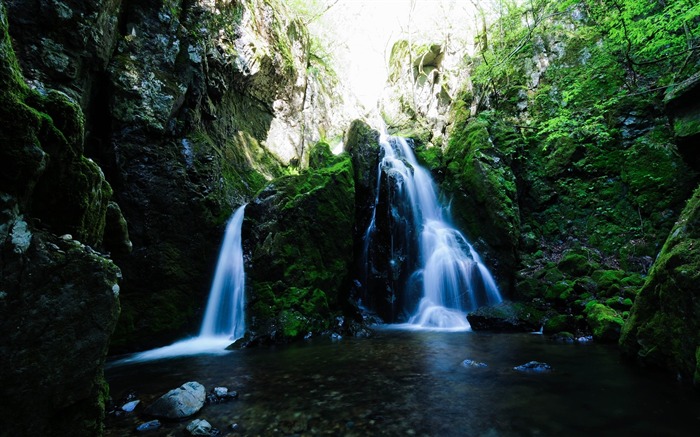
(439, 273)
(224, 314)
(224, 318)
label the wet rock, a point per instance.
(221, 394)
(534, 367)
(563, 337)
(152, 425)
(473, 364)
(506, 317)
(199, 427)
(179, 403)
(130, 406)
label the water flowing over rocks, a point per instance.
(179, 403)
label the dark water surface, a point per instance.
(404, 383)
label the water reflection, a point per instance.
(413, 383)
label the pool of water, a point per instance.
(406, 383)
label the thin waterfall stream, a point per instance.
(443, 277)
(224, 317)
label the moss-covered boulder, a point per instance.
(298, 231)
(507, 317)
(663, 329)
(604, 322)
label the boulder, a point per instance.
(179, 403)
(506, 317)
(663, 328)
(298, 231)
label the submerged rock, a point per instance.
(179, 403)
(534, 367)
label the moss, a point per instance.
(478, 175)
(575, 264)
(559, 323)
(302, 227)
(604, 322)
(663, 328)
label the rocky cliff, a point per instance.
(130, 132)
(59, 296)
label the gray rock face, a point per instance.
(179, 403)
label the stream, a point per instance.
(403, 383)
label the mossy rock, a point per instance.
(604, 322)
(575, 264)
(507, 317)
(299, 234)
(559, 323)
(663, 329)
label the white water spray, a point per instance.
(450, 273)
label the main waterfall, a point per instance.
(224, 317)
(439, 273)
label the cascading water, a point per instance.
(224, 314)
(224, 318)
(439, 272)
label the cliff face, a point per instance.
(58, 298)
(189, 108)
(135, 127)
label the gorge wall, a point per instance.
(131, 130)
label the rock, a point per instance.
(506, 317)
(130, 406)
(221, 394)
(604, 322)
(199, 427)
(299, 232)
(534, 367)
(179, 403)
(684, 111)
(563, 337)
(152, 425)
(663, 328)
(473, 364)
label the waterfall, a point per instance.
(224, 314)
(224, 318)
(438, 272)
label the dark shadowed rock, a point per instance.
(506, 317)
